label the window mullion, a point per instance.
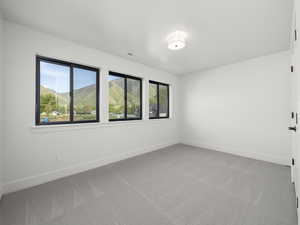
(141, 99)
(125, 96)
(157, 91)
(168, 88)
(38, 93)
(71, 93)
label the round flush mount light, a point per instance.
(176, 40)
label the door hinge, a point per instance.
(292, 69)
(294, 128)
(292, 115)
(296, 118)
(295, 33)
(293, 161)
(297, 203)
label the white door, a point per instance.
(293, 121)
(295, 132)
(294, 73)
(295, 98)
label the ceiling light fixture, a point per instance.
(176, 40)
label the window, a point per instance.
(125, 97)
(153, 100)
(66, 92)
(158, 100)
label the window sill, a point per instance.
(79, 126)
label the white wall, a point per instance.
(1, 106)
(36, 155)
(242, 108)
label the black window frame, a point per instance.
(157, 96)
(125, 76)
(71, 65)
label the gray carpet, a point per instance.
(178, 185)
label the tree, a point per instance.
(48, 103)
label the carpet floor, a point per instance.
(177, 185)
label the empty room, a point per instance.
(139, 112)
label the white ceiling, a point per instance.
(219, 31)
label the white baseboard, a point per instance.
(27, 182)
(54, 175)
(249, 154)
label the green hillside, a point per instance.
(61, 98)
(82, 96)
(55, 106)
(116, 99)
(85, 96)
(116, 92)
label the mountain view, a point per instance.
(55, 106)
(117, 98)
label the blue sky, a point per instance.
(111, 77)
(56, 77)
